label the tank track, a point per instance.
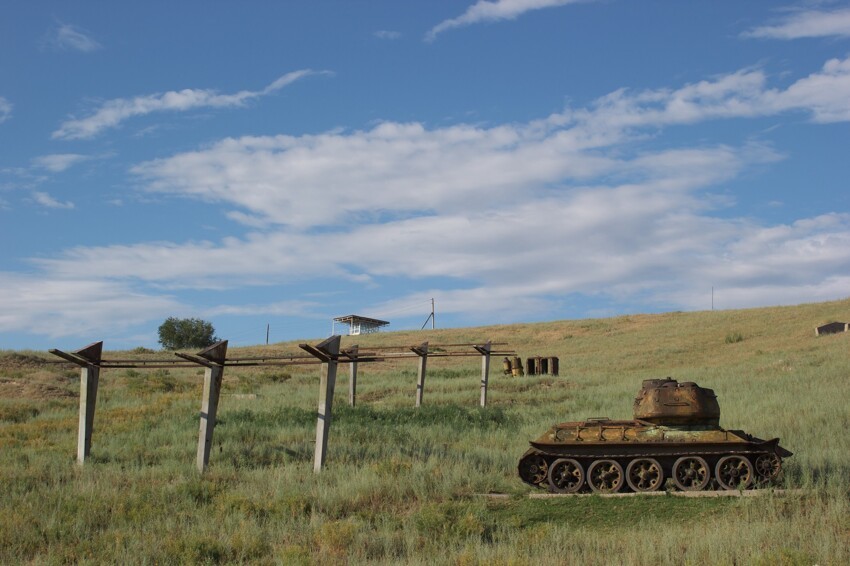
(689, 470)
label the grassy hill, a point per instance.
(402, 484)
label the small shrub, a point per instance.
(157, 381)
(17, 413)
(734, 337)
(277, 376)
(142, 350)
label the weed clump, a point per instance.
(734, 337)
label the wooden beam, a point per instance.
(422, 352)
(69, 357)
(330, 350)
(352, 375)
(214, 358)
(485, 370)
(89, 378)
(315, 352)
(195, 359)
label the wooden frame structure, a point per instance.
(214, 359)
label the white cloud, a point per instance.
(809, 23)
(59, 307)
(825, 94)
(48, 201)
(517, 216)
(493, 10)
(113, 112)
(281, 308)
(5, 109)
(398, 169)
(67, 36)
(58, 162)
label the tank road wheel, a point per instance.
(644, 474)
(566, 476)
(605, 476)
(533, 469)
(734, 472)
(768, 466)
(691, 473)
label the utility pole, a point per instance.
(430, 317)
(268, 326)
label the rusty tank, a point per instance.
(675, 435)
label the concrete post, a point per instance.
(89, 378)
(485, 371)
(215, 355)
(422, 352)
(329, 350)
(352, 377)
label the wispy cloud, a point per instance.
(809, 23)
(48, 201)
(386, 34)
(5, 109)
(58, 162)
(113, 112)
(69, 37)
(397, 169)
(493, 10)
(80, 307)
(282, 308)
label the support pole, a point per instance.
(89, 378)
(328, 353)
(485, 370)
(422, 352)
(215, 356)
(352, 376)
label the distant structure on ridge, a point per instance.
(359, 324)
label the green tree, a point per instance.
(179, 333)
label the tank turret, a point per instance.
(670, 403)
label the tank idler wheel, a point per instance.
(605, 476)
(644, 474)
(533, 469)
(734, 472)
(691, 473)
(566, 476)
(768, 466)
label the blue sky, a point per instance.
(283, 163)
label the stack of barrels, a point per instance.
(534, 365)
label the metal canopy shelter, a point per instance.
(359, 324)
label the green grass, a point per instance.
(403, 485)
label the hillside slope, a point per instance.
(400, 483)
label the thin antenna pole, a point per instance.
(268, 327)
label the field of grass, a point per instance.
(403, 485)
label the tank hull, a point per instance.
(641, 456)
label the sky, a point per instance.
(273, 165)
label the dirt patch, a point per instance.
(36, 385)
(22, 361)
